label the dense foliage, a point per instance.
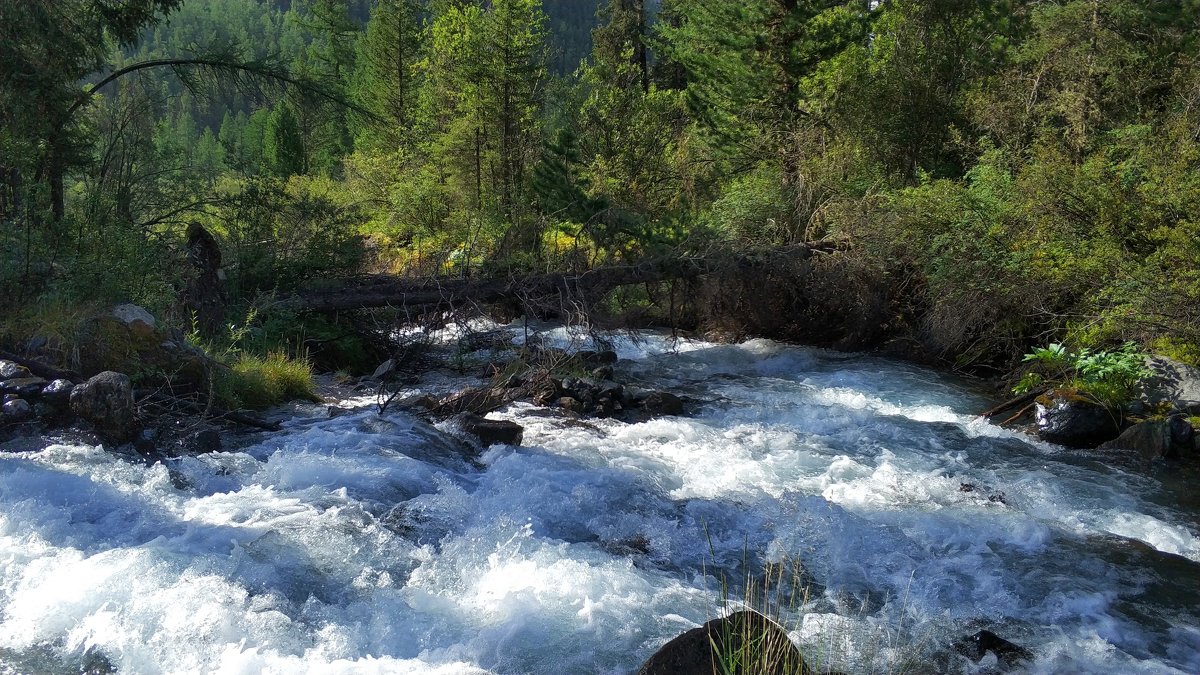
(996, 173)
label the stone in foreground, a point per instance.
(743, 643)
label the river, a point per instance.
(887, 517)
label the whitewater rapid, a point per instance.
(369, 544)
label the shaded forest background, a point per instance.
(988, 175)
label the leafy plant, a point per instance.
(1107, 377)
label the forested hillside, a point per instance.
(983, 176)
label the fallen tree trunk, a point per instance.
(549, 291)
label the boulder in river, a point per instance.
(1075, 422)
(1155, 439)
(490, 432)
(106, 401)
(743, 643)
(662, 403)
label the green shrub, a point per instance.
(1107, 377)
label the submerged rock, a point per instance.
(106, 401)
(1075, 422)
(743, 643)
(663, 403)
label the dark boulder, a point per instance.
(202, 442)
(743, 643)
(976, 646)
(662, 403)
(1150, 440)
(106, 401)
(1075, 422)
(603, 373)
(570, 403)
(490, 432)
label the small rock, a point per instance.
(58, 392)
(106, 401)
(490, 432)
(758, 646)
(571, 403)
(976, 646)
(12, 371)
(146, 440)
(17, 410)
(663, 403)
(139, 322)
(24, 387)
(603, 373)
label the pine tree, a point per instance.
(283, 144)
(388, 79)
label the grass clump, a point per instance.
(256, 382)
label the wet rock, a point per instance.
(106, 401)
(17, 410)
(490, 432)
(23, 387)
(146, 440)
(1150, 440)
(571, 403)
(755, 643)
(603, 373)
(976, 646)
(58, 392)
(662, 403)
(12, 371)
(202, 442)
(1074, 422)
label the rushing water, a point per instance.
(368, 544)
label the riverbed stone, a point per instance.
(11, 371)
(139, 321)
(17, 410)
(58, 392)
(1066, 419)
(24, 387)
(757, 644)
(106, 401)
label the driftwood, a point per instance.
(1021, 401)
(535, 291)
(42, 370)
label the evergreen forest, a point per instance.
(972, 179)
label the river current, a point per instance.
(883, 517)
